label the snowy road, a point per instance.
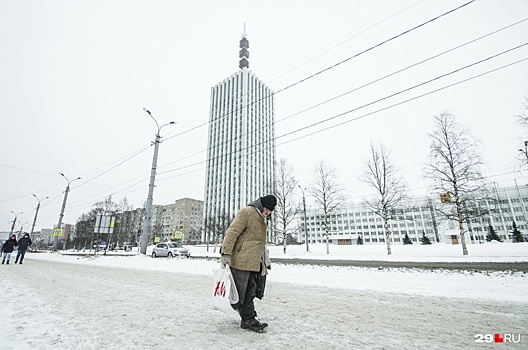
(475, 266)
(56, 305)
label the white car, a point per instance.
(170, 249)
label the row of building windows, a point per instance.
(418, 216)
(242, 109)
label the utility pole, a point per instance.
(36, 213)
(305, 222)
(148, 209)
(56, 237)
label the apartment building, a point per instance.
(180, 221)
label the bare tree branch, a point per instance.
(454, 166)
(382, 175)
(328, 194)
(286, 210)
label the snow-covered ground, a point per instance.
(58, 301)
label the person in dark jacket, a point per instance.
(244, 250)
(8, 247)
(23, 244)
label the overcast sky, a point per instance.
(75, 76)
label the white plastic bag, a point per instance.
(224, 290)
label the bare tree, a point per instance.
(85, 228)
(123, 221)
(454, 165)
(195, 235)
(382, 175)
(523, 117)
(286, 210)
(83, 232)
(106, 207)
(217, 226)
(328, 195)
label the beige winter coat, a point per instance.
(245, 240)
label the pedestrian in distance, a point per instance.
(23, 244)
(244, 250)
(7, 248)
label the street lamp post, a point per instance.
(36, 213)
(305, 222)
(14, 222)
(61, 215)
(21, 226)
(148, 209)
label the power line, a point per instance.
(296, 83)
(362, 86)
(402, 102)
(375, 46)
(106, 195)
(372, 103)
(331, 67)
(404, 90)
(355, 109)
(369, 114)
(360, 107)
(340, 41)
(320, 72)
(115, 166)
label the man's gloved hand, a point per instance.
(225, 259)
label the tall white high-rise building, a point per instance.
(241, 142)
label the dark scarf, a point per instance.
(257, 204)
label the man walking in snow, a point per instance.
(23, 244)
(244, 250)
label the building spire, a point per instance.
(244, 53)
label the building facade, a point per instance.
(416, 216)
(184, 216)
(241, 142)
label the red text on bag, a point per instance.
(220, 289)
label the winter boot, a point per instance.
(253, 325)
(3, 261)
(7, 262)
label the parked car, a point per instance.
(170, 249)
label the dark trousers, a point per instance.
(249, 285)
(247, 311)
(20, 255)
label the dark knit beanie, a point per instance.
(269, 202)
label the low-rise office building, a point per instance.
(418, 216)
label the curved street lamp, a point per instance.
(36, 212)
(148, 208)
(21, 226)
(61, 215)
(14, 221)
